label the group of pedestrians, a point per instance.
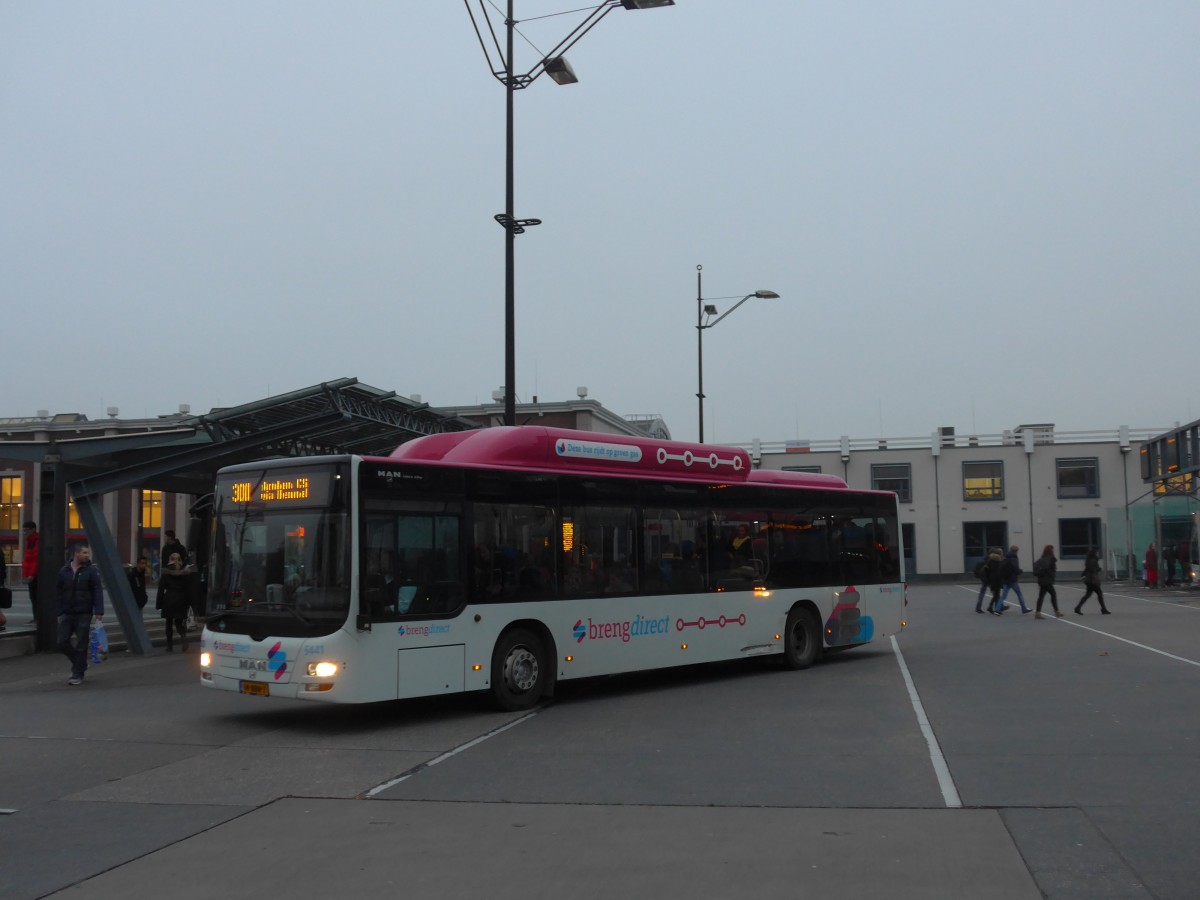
(79, 596)
(1000, 572)
(1170, 556)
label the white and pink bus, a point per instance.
(509, 559)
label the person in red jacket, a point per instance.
(29, 565)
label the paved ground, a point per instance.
(1071, 744)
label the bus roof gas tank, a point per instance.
(560, 450)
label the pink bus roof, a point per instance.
(590, 452)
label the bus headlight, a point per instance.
(322, 669)
(205, 659)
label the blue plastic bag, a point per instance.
(98, 643)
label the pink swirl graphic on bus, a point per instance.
(277, 660)
(702, 622)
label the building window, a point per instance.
(10, 503)
(983, 480)
(811, 470)
(1077, 536)
(1078, 478)
(74, 523)
(152, 505)
(896, 478)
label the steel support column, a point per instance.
(52, 525)
(106, 557)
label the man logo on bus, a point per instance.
(277, 660)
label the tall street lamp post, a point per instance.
(707, 309)
(556, 66)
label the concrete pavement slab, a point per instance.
(516, 851)
(44, 848)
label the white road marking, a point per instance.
(945, 779)
(1076, 623)
(449, 753)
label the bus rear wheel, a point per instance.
(801, 639)
(518, 670)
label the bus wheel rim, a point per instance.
(521, 669)
(799, 636)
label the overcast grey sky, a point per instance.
(977, 214)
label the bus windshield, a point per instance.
(281, 552)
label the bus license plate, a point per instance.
(256, 687)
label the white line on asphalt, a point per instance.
(1174, 604)
(1190, 662)
(1181, 603)
(945, 779)
(1066, 621)
(449, 753)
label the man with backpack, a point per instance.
(1010, 571)
(987, 570)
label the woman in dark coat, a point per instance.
(994, 578)
(1091, 577)
(1045, 569)
(173, 600)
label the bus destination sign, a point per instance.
(282, 488)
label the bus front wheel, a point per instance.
(518, 670)
(801, 639)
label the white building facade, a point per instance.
(1032, 486)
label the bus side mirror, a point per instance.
(363, 623)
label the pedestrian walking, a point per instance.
(1091, 578)
(5, 596)
(1045, 569)
(173, 545)
(79, 601)
(173, 600)
(137, 581)
(29, 565)
(981, 572)
(1010, 571)
(1151, 566)
(994, 574)
(1169, 555)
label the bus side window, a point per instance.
(512, 553)
(688, 579)
(597, 548)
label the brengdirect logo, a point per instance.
(626, 631)
(423, 630)
(232, 648)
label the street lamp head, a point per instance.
(560, 70)
(646, 4)
(766, 295)
(709, 309)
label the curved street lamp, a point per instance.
(707, 309)
(556, 66)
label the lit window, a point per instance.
(152, 506)
(10, 503)
(983, 480)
